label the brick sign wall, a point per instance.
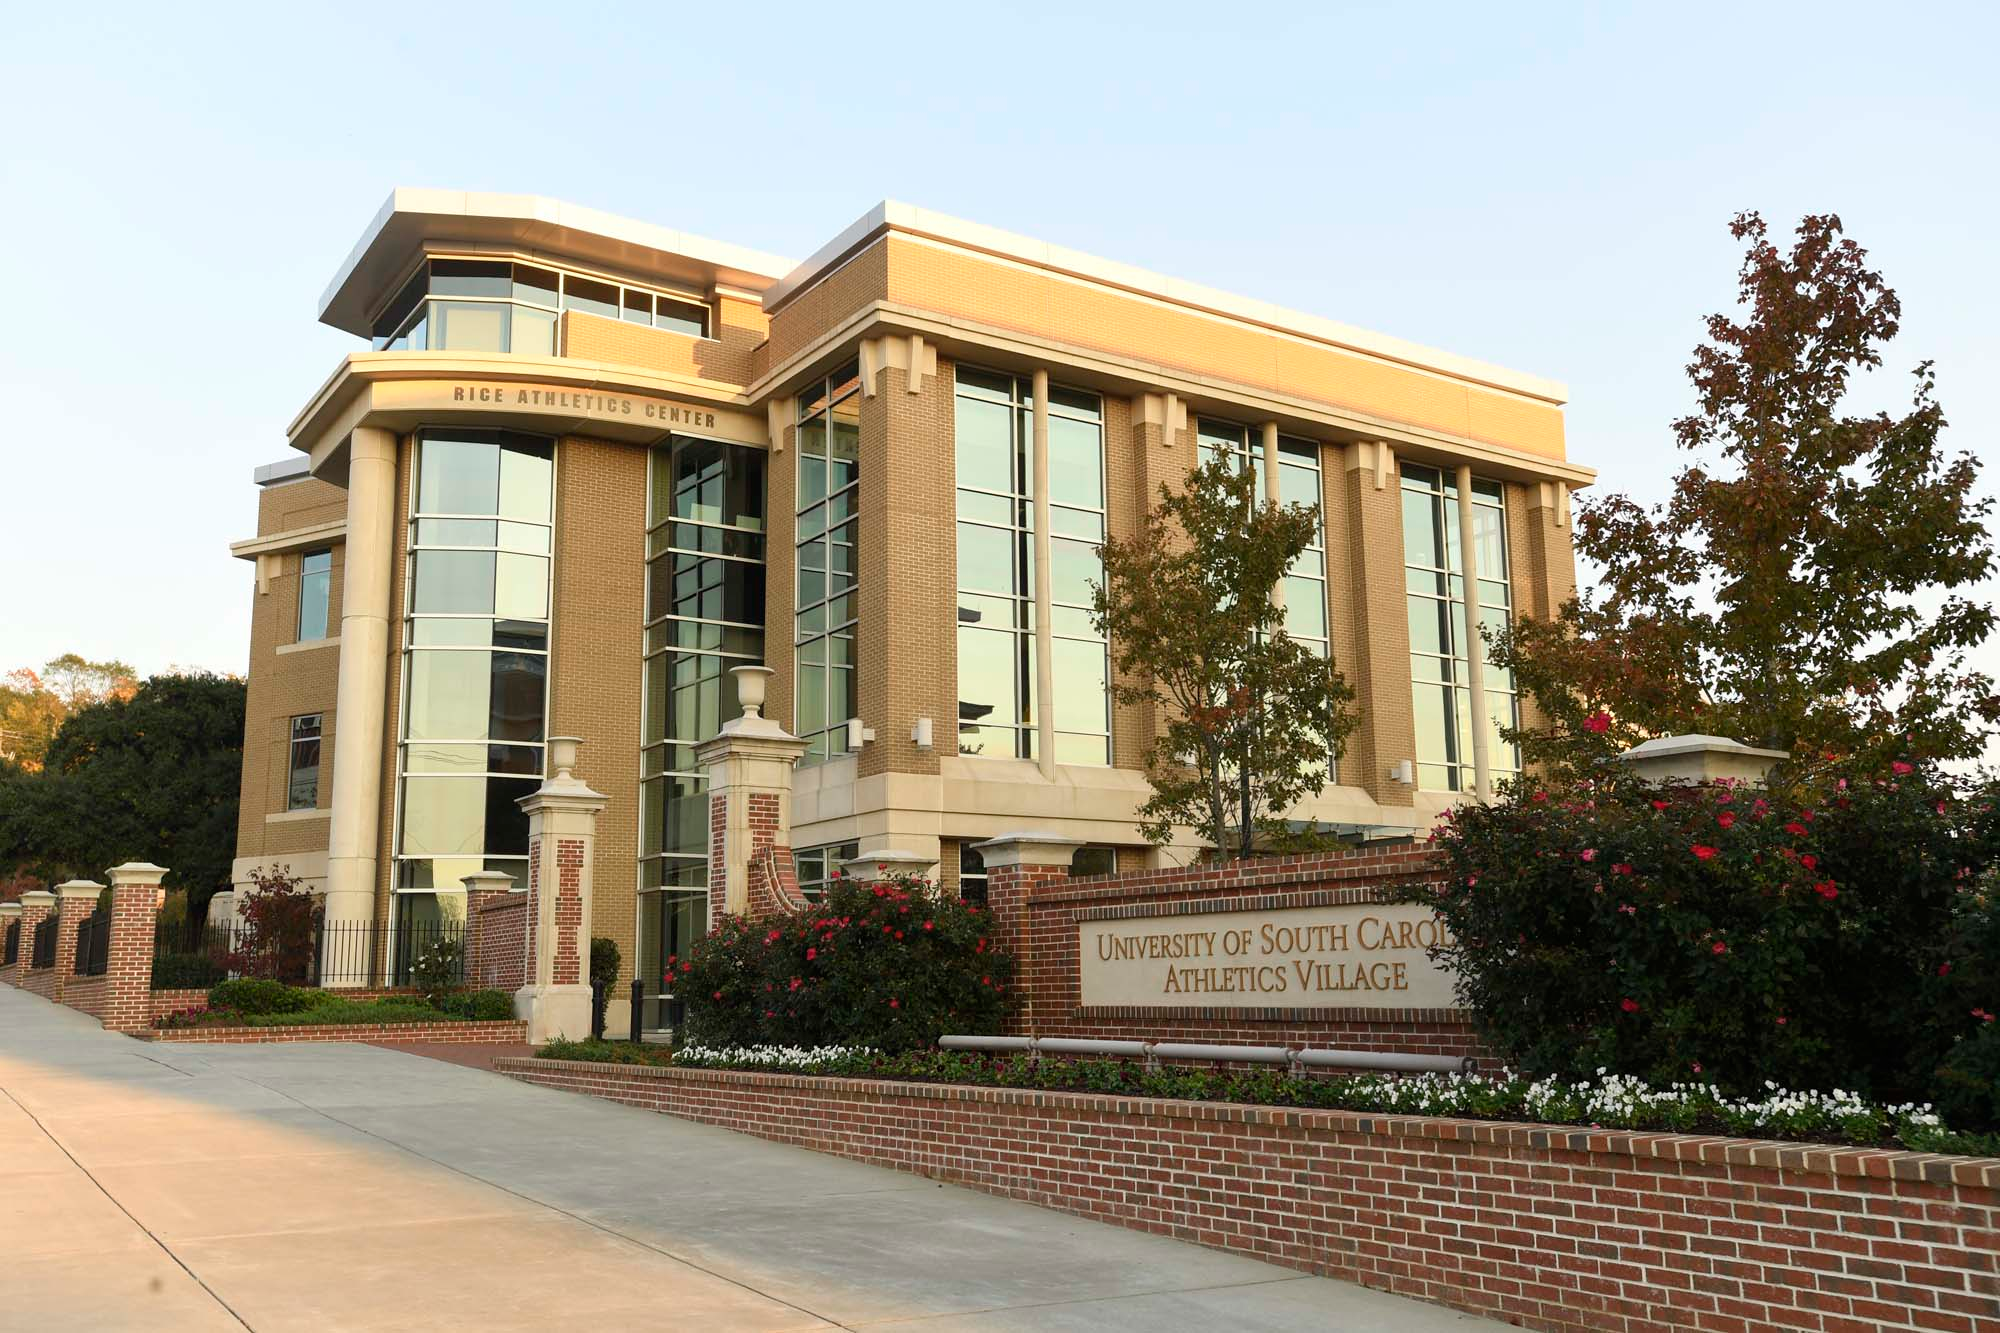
(1287, 950)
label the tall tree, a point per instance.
(1809, 585)
(152, 777)
(1253, 720)
(34, 704)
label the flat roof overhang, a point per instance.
(402, 391)
(534, 225)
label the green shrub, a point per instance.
(1833, 937)
(891, 965)
(483, 1006)
(606, 1052)
(604, 961)
(439, 967)
(257, 996)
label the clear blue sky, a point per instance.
(1545, 188)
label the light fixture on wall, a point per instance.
(858, 735)
(1405, 772)
(920, 734)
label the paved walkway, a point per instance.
(349, 1187)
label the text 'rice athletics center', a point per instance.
(584, 466)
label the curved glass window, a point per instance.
(475, 662)
(704, 615)
(499, 305)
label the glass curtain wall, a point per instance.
(829, 494)
(705, 552)
(497, 305)
(475, 664)
(1298, 483)
(994, 447)
(1439, 639)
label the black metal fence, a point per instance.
(344, 954)
(43, 954)
(10, 950)
(93, 944)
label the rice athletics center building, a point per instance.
(579, 467)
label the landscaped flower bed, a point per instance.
(1606, 1102)
(268, 1004)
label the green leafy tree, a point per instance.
(1252, 719)
(152, 777)
(1808, 586)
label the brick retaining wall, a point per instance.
(1046, 949)
(1547, 1227)
(500, 955)
(86, 994)
(37, 980)
(508, 1031)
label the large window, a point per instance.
(829, 492)
(302, 764)
(475, 669)
(994, 449)
(1439, 639)
(1298, 483)
(315, 587)
(817, 866)
(704, 615)
(497, 305)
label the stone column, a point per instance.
(749, 765)
(135, 911)
(484, 887)
(10, 917)
(361, 703)
(1018, 865)
(1045, 644)
(1272, 494)
(75, 900)
(562, 838)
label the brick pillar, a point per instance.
(37, 905)
(75, 900)
(562, 837)
(10, 916)
(1380, 669)
(480, 889)
(749, 765)
(128, 981)
(1019, 865)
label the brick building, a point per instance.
(588, 465)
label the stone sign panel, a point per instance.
(1355, 956)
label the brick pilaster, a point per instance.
(481, 889)
(75, 900)
(1018, 866)
(128, 980)
(36, 907)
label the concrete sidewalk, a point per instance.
(350, 1187)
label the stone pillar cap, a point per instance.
(37, 898)
(1028, 849)
(892, 859)
(137, 872)
(79, 888)
(10, 909)
(1699, 758)
(487, 879)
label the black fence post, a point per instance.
(598, 1000)
(638, 1007)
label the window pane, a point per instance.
(444, 816)
(596, 298)
(1072, 567)
(638, 306)
(532, 537)
(527, 473)
(843, 444)
(1420, 535)
(1305, 608)
(458, 477)
(1076, 463)
(1433, 718)
(985, 445)
(315, 587)
(534, 284)
(439, 757)
(522, 587)
(1427, 626)
(1072, 748)
(470, 277)
(452, 581)
(1079, 685)
(448, 695)
(454, 532)
(986, 558)
(462, 326)
(506, 821)
(534, 332)
(683, 318)
(519, 687)
(988, 671)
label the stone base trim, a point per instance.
(505, 1031)
(1548, 1227)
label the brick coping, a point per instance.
(493, 1030)
(1709, 1149)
